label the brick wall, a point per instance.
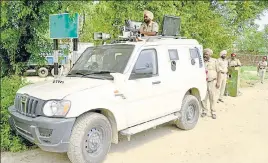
(249, 60)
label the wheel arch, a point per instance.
(110, 116)
(195, 92)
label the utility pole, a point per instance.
(75, 49)
(56, 56)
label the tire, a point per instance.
(87, 126)
(190, 105)
(42, 72)
(52, 72)
(59, 70)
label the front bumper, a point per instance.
(50, 134)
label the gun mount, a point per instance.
(130, 31)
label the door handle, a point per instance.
(156, 82)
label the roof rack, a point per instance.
(153, 38)
(146, 39)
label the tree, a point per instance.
(253, 41)
(215, 24)
(25, 30)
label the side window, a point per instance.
(195, 54)
(146, 66)
(173, 54)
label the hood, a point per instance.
(48, 90)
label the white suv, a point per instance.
(121, 88)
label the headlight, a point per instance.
(56, 108)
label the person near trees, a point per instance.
(262, 66)
(235, 62)
(213, 82)
(223, 64)
(149, 27)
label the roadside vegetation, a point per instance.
(9, 87)
(25, 34)
(249, 76)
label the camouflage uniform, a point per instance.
(212, 67)
(262, 65)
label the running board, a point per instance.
(150, 124)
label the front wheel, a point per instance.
(91, 139)
(189, 113)
(42, 72)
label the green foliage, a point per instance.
(24, 31)
(9, 87)
(253, 41)
(215, 24)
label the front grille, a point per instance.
(27, 105)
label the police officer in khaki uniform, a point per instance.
(149, 27)
(262, 65)
(223, 64)
(213, 82)
(235, 62)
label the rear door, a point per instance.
(197, 68)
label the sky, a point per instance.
(263, 21)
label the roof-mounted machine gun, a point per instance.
(130, 32)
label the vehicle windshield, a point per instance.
(101, 60)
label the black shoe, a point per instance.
(221, 100)
(203, 114)
(213, 116)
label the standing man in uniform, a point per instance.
(262, 65)
(149, 27)
(213, 82)
(235, 62)
(223, 64)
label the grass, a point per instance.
(249, 76)
(248, 68)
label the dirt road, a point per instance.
(238, 135)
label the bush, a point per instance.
(9, 87)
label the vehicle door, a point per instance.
(144, 88)
(173, 78)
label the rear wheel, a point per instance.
(91, 139)
(189, 113)
(42, 72)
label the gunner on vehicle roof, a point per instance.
(149, 27)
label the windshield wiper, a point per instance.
(93, 72)
(101, 72)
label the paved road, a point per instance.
(238, 135)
